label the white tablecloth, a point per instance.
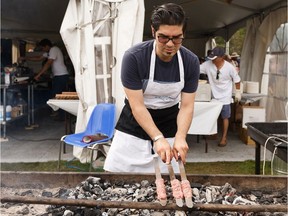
(205, 118)
(70, 106)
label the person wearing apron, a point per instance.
(156, 75)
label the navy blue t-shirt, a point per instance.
(136, 66)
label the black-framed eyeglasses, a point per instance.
(217, 75)
(165, 39)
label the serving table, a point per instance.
(205, 119)
(70, 106)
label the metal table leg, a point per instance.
(257, 158)
(32, 107)
(4, 113)
(32, 103)
(28, 108)
(206, 144)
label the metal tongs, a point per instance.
(179, 200)
(188, 199)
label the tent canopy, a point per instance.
(209, 18)
(36, 19)
(32, 19)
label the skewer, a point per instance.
(176, 187)
(186, 187)
(161, 192)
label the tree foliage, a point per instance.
(235, 42)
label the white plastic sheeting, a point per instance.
(277, 61)
(259, 35)
(96, 33)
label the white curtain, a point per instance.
(127, 31)
(259, 35)
(276, 99)
(96, 33)
(248, 49)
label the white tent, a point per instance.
(95, 28)
(90, 31)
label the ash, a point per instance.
(94, 188)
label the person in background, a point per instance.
(156, 75)
(221, 76)
(208, 53)
(54, 59)
(236, 60)
(228, 58)
(201, 60)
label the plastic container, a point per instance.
(15, 112)
(21, 104)
(1, 113)
(7, 78)
(8, 112)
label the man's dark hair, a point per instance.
(45, 42)
(168, 14)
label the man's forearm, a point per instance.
(145, 120)
(185, 115)
(184, 120)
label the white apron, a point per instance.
(129, 153)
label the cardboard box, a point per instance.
(203, 92)
(253, 114)
(243, 134)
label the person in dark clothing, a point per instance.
(54, 59)
(156, 75)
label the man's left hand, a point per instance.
(180, 148)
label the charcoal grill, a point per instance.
(42, 180)
(261, 132)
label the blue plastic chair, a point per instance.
(102, 121)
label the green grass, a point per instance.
(51, 166)
(243, 168)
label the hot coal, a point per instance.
(94, 188)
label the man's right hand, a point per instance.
(163, 149)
